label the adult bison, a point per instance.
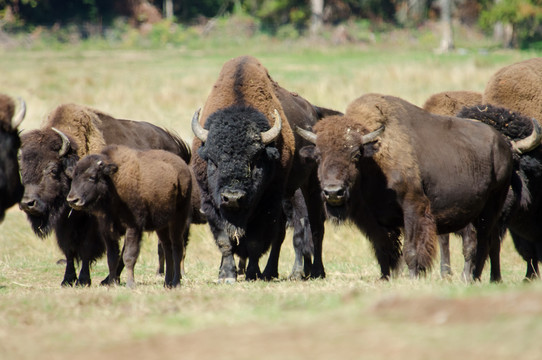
(523, 207)
(387, 164)
(518, 87)
(11, 188)
(69, 133)
(140, 191)
(246, 161)
(450, 103)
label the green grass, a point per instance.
(350, 314)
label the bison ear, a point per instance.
(272, 153)
(308, 153)
(110, 169)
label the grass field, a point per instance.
(350, 314)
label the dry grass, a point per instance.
(349, 314)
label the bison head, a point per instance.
(339, 148)
(46, 155)
(238, 147)
(11, 188)
(91, 179)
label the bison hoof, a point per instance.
(68, 281)
(297, 275)
(230, 280)
(82, 282)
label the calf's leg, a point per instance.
(131, 252)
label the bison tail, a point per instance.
(421, 242)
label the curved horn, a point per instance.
(271, 134)
(367, 138)
(18, 118)
(530, 142)
(65, 142)
(197, 129)
(306, 134)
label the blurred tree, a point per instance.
(317, 10)
(447, 40)
(168, 9)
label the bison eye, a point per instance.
(356, 155)
(92, 178)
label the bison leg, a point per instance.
(316, 212)
(84, 274)
(444, 245)
(176, 232)
(420, 235)
(114, 260)
(528, 251)
(70, 276)
(271, 270)
(132, 241)
(160, 251)
(468, 234)
(387, 248)
(227, 272)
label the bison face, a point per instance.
(339, 150)
(240, 166)
(11, 189)
(45, 156)
(90, 182)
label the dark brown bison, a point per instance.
(69, 133)
(246, 162)
(523, 207)
(139, 191)
(518, 87)
(389, 165)
(11, 189)
(450, 103)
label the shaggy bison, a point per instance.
(451, 102)
(140, 191)
(387, 164)
(11, 189)
(246, 162)
(69, 133)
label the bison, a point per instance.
(523, 207)
(246, 162)
(139, 191)
(450, 103)
(70, 132)
(11, 189)
(389, 165)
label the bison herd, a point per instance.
(264, 157)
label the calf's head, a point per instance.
(91, 180)
(339, 148)
(11, 188)
(45, 156)
(238, 147)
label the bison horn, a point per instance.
(197, 129)
(530, 142)
(271, 134)
(19, 117)
(65, 142)
(306, 134)
(367, 138)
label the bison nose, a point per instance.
(334, 194)
(231, 198)
(30, 205)
(74, 201)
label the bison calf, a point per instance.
(141, 191)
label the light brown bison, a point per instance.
(11, 188)
(517, 87)
(389, 165)
(246, 162)
(451, 102)
(139, 191)
(69, 133)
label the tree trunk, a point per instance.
(168, 9)
(447, 41)
(317, 10)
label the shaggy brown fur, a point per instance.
(148, 190)
(451, 102)
(517, 87)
